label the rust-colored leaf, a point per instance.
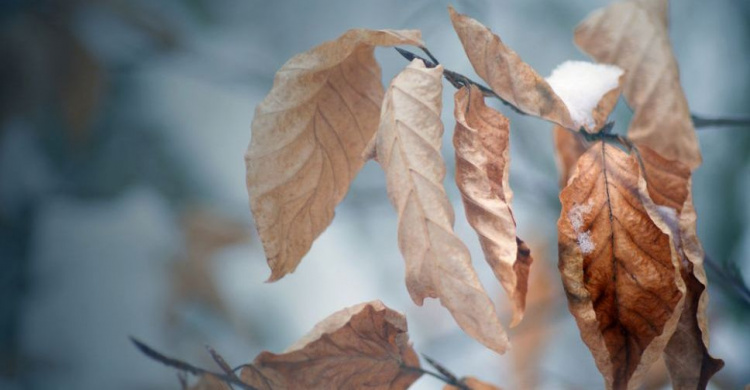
(619, 270)
(511, 78)
(308, 137)
(689, 364)
(473, 384)
(364, 346)
(438, 264)
(633, 35)
(481, 140)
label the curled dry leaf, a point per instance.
(508, 76)
(473, 384)
(633, 35)
(364, 346)
(481, 140)
(668, 183)
(438, 264)
(619, 268)
(308, 137)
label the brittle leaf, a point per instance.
(633, 35)
(308, 137)
(508, 76)
(689, 364)
(481, 140)
(361, 346)
(620, 271)
(438, 264)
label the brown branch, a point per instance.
(187, 367)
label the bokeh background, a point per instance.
(123, 208)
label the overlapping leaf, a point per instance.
(481, 140)
(438, 264)
(620, 269)
(308, 137)
(569, 147)
(508, 76)
(364, 346)
(686, 355)
(633, 35)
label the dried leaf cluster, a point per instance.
(629, 257)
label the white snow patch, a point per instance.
(585, 243)
(575, 216)
(581, 85)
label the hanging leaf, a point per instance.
(508, 76)
(364, 346)
(668, 182)
(619, 269)
(438, 264)
(308, 137)
(481, 140)
(633, 35)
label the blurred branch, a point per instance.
(186, 367)
(701, 122)
(730, 278)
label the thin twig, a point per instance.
(456, 79)
(701, 122)
(441, 369)
(186, 367)
(222, 363)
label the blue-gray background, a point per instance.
(123, 208)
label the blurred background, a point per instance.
(123, 208)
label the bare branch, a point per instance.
(701, 122)
(186, 367)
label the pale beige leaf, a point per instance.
(364, 346)
(508, 76)
(620, 270)
(633, 35)
(481, 140)
(473, 384)
(438, 264)
(308, 136)
(607, 104)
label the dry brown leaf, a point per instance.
(438, 264)
(569, 146)
(686, 355)
(364, 346)
(481, 140)
(508, 76)
(619, 269)
(308, 137)
(473, 384)
(607, 104)
(633, 35)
